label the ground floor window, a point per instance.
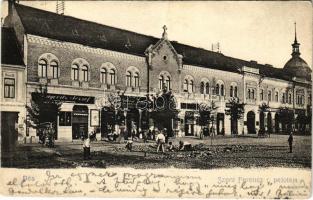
(65, 118)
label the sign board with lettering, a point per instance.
(67, 98)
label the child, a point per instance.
(129, 145)
(171, 147)
(184, 146)
(86, 147)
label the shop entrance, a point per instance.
(251, 122)
(79, 122)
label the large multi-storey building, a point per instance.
(82, 63)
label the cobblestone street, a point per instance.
(220, 152)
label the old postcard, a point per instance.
(167, 99)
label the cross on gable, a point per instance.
(164, 35)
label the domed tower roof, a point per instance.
(296, 66)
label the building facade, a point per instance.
(13, 93)
(84, 65)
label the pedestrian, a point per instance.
(86, 147)
(160, 139)
(166, 135)
(290, 141)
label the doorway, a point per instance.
(79, 122)
(251, 122)
(8, 136)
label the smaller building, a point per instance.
(13, 90)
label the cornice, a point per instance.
(79, 47)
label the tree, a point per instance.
(263, 108)
(286, 117)
(41, 109)
(236, 110)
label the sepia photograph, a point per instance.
(180, 87)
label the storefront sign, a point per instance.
(68, 98)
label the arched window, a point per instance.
(75, 72)
(42, 68)
(128, 79)
(103, 75)
(112, 77)
(161, 81)
(236, 91)
(190, 88)
(261, 94)
(269, 96)
(168, 82)
(136, 78)
(185, 85)
(276, 96)
(217, 89)
(222, 90)
(207, 88)
(289, 98)
(55, 69)
(84, 69)
(231, 91)
(202, 88)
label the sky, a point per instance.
(260, 31)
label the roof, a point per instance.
(296, 66)
(71, 29)
(10, 53)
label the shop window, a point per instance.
(55, 69)
(9, 88)
(128, 79)
(65, 119)
(75, 72)
(42, 68)
(103, 75)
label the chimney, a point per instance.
(8, 19)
